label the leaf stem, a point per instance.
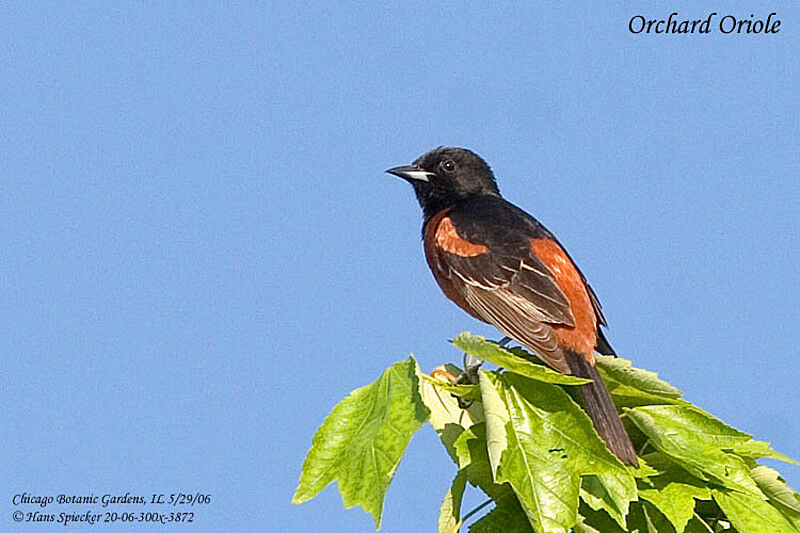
(644, 446)
(475, 510)
(700, 518)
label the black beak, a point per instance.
(411, 173)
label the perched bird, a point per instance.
(502, 266)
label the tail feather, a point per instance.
(602, 411)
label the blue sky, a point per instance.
(202, 254)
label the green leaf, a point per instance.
(695, 440)
(696, 525)
(630, 386)
(506, 517)
(516, 360)
(621, 371)
(596, 496)
(673, 494)
(470, 393)
(550, 443)
(752, 515)
(361, 441)
(714, 432)
(583, 527)
(645, 470)
(473, 459)
(497, 417)
(656, 521)
(758, 448)
(463, 434)
(447, 418)
(450, 511)
(591, 521)
(776, 489)
(525, 441)
(471, 447)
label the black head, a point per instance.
(445, 176)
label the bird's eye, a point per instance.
(448, 165)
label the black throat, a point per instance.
(433, 200)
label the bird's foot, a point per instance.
(469, 376)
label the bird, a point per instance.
(505, 268)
